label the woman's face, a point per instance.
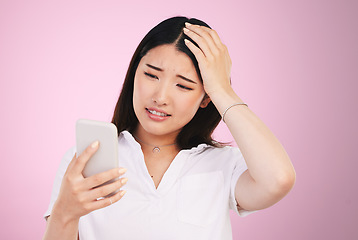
(167, 91)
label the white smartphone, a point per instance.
(106, 157)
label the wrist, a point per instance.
(229, 107)
(224, 98)
(60, 225)
(220, 91)
(61, 217)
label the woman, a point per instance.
(181, 183)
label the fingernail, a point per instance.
(186, 30)
(122, 170)
(95, 144)
(187, 24)
(186, 41)
(124, 180)
(123, 192)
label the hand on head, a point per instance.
(212, 56)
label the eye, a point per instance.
(151, 75)
(183, 87)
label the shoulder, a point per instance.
(218, 155)
(66, 159)
(225, 151)
(70, 152)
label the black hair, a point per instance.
(202, 125)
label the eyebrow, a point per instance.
(156, 68)
(178, 75)
(186, 79)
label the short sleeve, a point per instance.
(58, 178)
(239, 168)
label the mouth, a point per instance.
(158, 113)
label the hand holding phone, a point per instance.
(106, 157)
(79, 196)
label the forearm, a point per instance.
(60, 227)
(267, 161)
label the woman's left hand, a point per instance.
(212, 56)
(270, 175)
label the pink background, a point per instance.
(294, 62)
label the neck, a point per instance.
(155, 143)
(146, 147)
(154, 139)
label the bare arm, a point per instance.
(79, 196)
(59, 228)
(270, 174)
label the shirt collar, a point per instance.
(133, 143)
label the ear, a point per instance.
(206, 100)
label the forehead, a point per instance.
(168, 58)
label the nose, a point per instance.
(161, 95)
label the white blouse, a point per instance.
(192, 200)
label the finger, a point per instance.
(85, 156)
(105, 202)
(107, 189)
(199, 55)
(199, 40)
(100, 178)
(70, 165)
(213, 33)
(202, 37)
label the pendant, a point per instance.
(156, 150)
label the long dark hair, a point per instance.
(201, 127)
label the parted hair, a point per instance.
(200, 128)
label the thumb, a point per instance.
(82, 159)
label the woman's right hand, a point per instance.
(78, 195)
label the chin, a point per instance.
(159, 130)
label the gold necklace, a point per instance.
(156, 149)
